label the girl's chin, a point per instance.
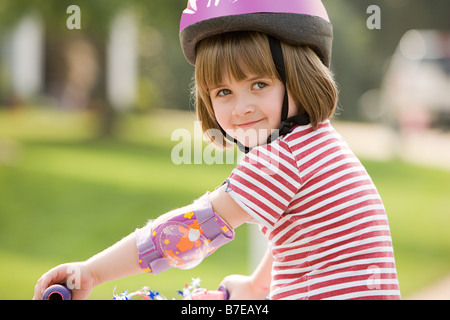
(252, 137)
(251, 141)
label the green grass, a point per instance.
(64, 196)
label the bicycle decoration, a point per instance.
(193, 291)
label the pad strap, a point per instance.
(152, 257)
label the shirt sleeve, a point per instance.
(265, 182)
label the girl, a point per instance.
(263, 80)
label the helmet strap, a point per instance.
(278, 60)
(286, 124)
(230, 138)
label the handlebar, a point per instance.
(57, 292)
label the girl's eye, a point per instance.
(259, 85)
(224, 92)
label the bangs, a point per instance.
(233, 55)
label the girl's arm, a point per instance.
(118, 261)
(121, 259)
(262, 276)
(123, 255)
(253, 287)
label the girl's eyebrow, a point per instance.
(216, 87)
(248, 79)
(256, 77)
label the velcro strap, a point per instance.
(219, 241)
(206, 218)
(160, 265)
(142, 239)
(148, 253)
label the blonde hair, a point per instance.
(235, 54)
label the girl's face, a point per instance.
(249, 110)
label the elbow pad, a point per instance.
(184, 240)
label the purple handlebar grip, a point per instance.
(226, 294)
(57, 292)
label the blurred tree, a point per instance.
(359, 57)
(96, 18)
(360, 54)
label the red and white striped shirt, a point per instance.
(322, 214)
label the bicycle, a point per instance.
(189, 292)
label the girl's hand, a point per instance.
(76, 276)
(244, 288)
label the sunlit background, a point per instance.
(88, 107)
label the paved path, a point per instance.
(436, 291)
(372, 141)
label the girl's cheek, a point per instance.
(221, 110)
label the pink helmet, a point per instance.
(298, 22)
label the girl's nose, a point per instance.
(244, 106)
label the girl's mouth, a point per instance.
(246, 125)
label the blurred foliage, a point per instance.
(359, 59)
(361, 55)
